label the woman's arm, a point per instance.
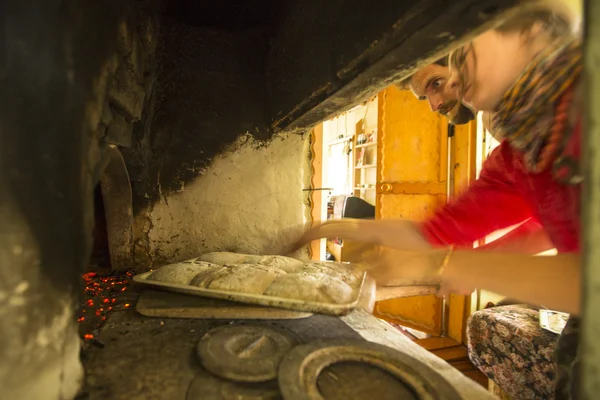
(490, 203)
(397, 234)
(528, 238)
(551, 281)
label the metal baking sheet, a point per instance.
(262, 300)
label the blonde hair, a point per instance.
(556, 19)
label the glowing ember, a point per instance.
(101, 296)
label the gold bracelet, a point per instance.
(446, 260)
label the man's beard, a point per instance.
(457, 113)
(463, 115)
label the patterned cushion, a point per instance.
(508, 345)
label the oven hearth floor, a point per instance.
(137, 357)
(134, 357)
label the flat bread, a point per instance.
(247, 278)
(317, 287)
(228, 258)
(180, 273)
(347, 273)
(286, 264)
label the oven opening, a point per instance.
(100, 257)
(108, 273)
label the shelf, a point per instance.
(366, 166)
(371, 144)
(338, 141)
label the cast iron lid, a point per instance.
(357, 369)
(244, 353)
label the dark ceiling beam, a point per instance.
(348, 61)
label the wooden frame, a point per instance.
(316, 196)
(464, 163)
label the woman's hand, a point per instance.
(453, 279)
(394, 234)
(391, 267)
(393, 251)
(352, 229)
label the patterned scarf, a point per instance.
(526, 112)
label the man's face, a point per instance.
(430, 83)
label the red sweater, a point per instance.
(506, 194)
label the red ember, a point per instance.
(100, 295)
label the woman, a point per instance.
(528, 75)
(503, 195)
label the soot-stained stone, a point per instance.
(210, 91)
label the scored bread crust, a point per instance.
(317, 287)
(246, 278)
(350, 275)
(279, 276)
(228, 258)
(286, 264)
(180, 273)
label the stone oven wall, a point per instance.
(72, 75)
(245, 200)
(207, 173)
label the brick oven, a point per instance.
(137, 133)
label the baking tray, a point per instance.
(256, 299)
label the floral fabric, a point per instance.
(509, 346)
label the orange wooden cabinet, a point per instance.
(414, 179)
(412, 173)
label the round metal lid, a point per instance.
(206, 386)
(244, 353)
(357, 369)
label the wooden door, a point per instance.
(412, 183)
